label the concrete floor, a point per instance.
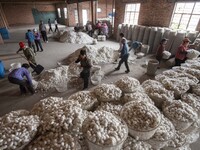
(54, 52)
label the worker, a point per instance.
(50, 28)
(86, 65)
(98, 27)
(104, 29)
(56, 25)
(37, 40)
(28, 53)
(89, 28)
(42, 29)
(16, 76)
(181, 53)
(31, 39)
(2, 70)
(124, 53)
(136, 46)
(161, 49)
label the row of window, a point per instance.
(186, 16)
(65, 12)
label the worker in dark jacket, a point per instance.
(16, 76)
(28, 53)
(86, 65)
(124, 53)
(161, 49)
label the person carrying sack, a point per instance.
(29, 54)
(86, 65)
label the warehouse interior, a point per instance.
(150, 106)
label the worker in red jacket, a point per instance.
(181, 53)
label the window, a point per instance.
(76, 15)
(65, 13)
(186, 16)
(59, 14)
(132, 13)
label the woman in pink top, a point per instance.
(181, 52)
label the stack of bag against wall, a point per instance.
(152, 36)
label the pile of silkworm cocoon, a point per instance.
(165, 131)
(109, 107)
(180, 111)
(193, 100)
(191, 71)
(132, 144)
(136, 96)
(86, 99)
(127, 84)
(157, 114)
(196, 89)
(103, 128)
(54, 141)
(156, 90)
(17, 129)
(107, 92)
(178, 140)
(140, 115)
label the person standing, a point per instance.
(56, 25)
(124, 54)
(181, 53)
(37, 40)
(31, 39)
(28, 53)
(161, 49)
(50, 28)
(86, 65)
(42, 29)
(16, 76)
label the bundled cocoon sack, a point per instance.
(191, 53)
(166, 55)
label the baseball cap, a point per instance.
(21, 45)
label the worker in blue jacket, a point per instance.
(124, 53)
(31, 40)
(21, 76)
(2, 70)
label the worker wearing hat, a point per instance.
(28, 53)
(181, 53)
(161, 49)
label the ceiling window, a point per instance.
(65, 13)
(59, 13)
(186, 16)
(132, 13)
